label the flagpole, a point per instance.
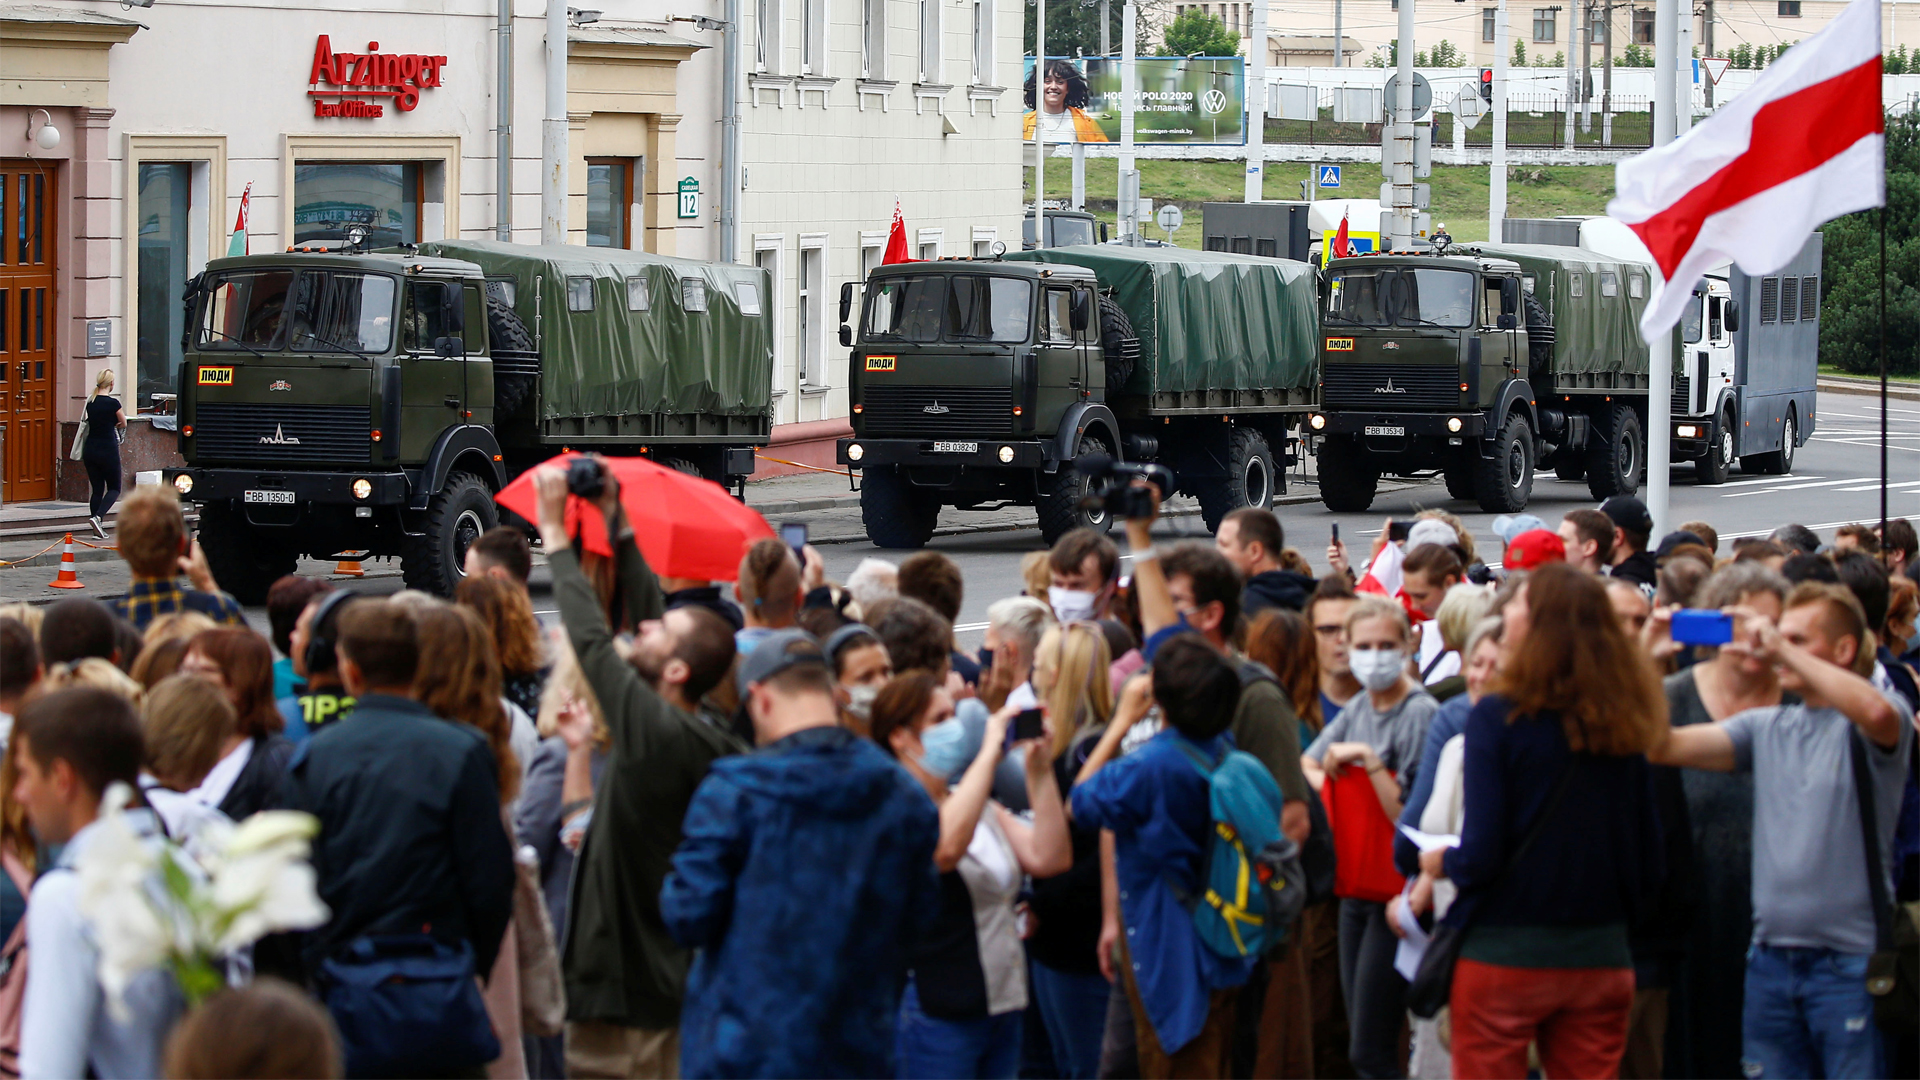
(1883, 380)
(1039, 124)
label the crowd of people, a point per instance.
(1596, 806)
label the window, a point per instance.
(610, 183)
(1789, 299)
(747, 295)
(813, 37)
(1643, 26)
(1789, 9)
(1809, 298)
(1609, 283)
(995, 309)
(1544, 28)
(873, 248)
(244, 308)
(929, 41)
(1636, 286)
(1576, 285)
(873, 39)
(1769, 300)
(983, 42)
(1489, 23)
(1690, 320)
(383, 196)
(693, 294)
(809, 314)
(766, 41)
(580, 294)
(425, 319)
(1599, 28)
(639, 294)
(1056, 316)
(1403, 297)
(171, 220)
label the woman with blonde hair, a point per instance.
(100, 450)
(1560, 848)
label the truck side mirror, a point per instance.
(1506, 322)
(1731, 315)
(846, 335)
(846, 303)
(1082, 313)
(1509, 298)
(1103, 232)
(449, 347)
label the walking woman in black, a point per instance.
(101, 450)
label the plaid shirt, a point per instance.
(149, 598)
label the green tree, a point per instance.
(1444, 54)
(1559, 60)
(1896, 61)
(1635, 56)
(1519, 53)
(1073, 27)
(1196, 32)
(1850, 282)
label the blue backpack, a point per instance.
(1254, 884)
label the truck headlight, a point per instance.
(1453, 424)
(1687, 431)
(1317, 421)
(855, 452)
(1006, 455)
(362, 488)
(183, 484)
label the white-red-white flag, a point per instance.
(1803, 146)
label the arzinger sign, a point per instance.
(371, 74)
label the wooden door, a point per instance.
(27, 328)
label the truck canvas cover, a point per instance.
(621, 332)
(1208, 320)
(1595, 303)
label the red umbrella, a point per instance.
(686, 527)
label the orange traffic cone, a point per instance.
(349, 568)
(69, 576)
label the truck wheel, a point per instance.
(1713, 468)
(1119, 345)
(1348, 481)
(1776, 462)
(1459, 476)
(510, 340)
(437, 561)
(245, 563)
(1504, 482)
(1060, 495)
(897, 514)
(1250, 480)
(1616, 452)
(1540, 334)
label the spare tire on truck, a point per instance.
(516, 364)
(1539, 335)
(1119, 344)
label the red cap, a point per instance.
(1535, 547)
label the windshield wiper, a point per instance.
(1416, 320)
(236, 341)
(311, 336)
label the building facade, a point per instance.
(161, 118)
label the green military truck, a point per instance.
(1480, 363)
(975, 383)
(375, 401)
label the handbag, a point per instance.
(407, 1005)
(79, 441)
(1432, 984)
(1362, 839)
(1893, 971)
(543, 993)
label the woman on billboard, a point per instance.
(1062, 113)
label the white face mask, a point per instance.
(860, 699)
(1377, 669)
(1071, 605)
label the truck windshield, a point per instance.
(1062, 231)
(312, 311)
(1690, 320)
(967, 307)
(1414, 296)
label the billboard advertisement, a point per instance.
(1190, 100)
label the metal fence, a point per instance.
(1534, 121)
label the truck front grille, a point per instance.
(275, 433)
(1682, 395)
(970, 411)
(1391, 387)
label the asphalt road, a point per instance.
(1835, 481)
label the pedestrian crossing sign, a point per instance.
(1329, 176)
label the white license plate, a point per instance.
(278, 498)
(1383, 429)
(956, 448)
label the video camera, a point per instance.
(586, 478)
(1117, 493)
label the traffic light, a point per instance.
(1486, 84)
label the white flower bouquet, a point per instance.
(152, 905)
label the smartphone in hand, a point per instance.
(1027, 724)
(1397, 531)
(794, 535)
(1701, 626)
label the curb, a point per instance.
(1868, 388)
(802, 506)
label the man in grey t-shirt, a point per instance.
(1807, 1010)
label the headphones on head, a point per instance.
(321, 639)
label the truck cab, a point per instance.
(1065, 228)
(973, 382)
(1421, 358)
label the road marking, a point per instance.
(1789, 487)
(967, 627)
(1875, 486)
(1767, 480)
